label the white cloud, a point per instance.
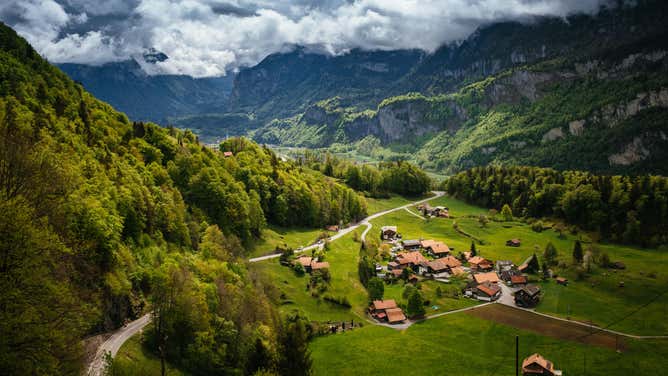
(210, 37)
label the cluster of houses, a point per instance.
(387, 311)
(433, 259)
(311, 264)
(435, 211)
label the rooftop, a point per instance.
(486, 277)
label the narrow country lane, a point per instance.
(114, 343)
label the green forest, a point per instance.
(103, 219)
(626, 209)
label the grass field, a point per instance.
(274, 236)
(598, 298)
(134, 359)
(376, 205)
(461, 344)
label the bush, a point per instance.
(299, 269)
(537, 226)
(340, 300)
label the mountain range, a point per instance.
(586, 91)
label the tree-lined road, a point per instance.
(114, 343)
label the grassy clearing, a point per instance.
(598, 298)
(134, 359)
(376, 205)
(274, 236)
(461, 344)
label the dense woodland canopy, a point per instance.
(379, 180)
(630, 209)
(101, 217)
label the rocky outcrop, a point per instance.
(614, 114)
(576, 127)
(632, 153)
(553, 134)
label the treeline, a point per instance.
(101, 217)
(379, 180)
(629, 209)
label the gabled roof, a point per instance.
(529, 364)
(305, 260)
(489, 289)
(437, 265)
(439, 247)
(384, 304)
(414, 257)
(531, 290)
(476, 260)
(395, 315)
(396, 272)
(486, 277)
(228, 153)
(410, 243)
(518, 279)
(451, 262)
(388, 228)
(427, 243)
(319, 265)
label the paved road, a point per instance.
(114, 343)
(348, 230)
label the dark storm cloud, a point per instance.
(210, 37)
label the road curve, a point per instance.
(347, 230)
(114, 343)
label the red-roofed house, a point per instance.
(410, 260)
(518, 280)
(395, 315)
(490, 277)
(437, 249)
(536, 365)
(386, 310)
(480, 263)
(228, 154)
(487, 291)
(319, 265)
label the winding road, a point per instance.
(114, 343)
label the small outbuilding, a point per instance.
(536, 365)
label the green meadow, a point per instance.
(461, 345)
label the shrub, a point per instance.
(537, 226)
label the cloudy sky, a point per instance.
(212, 37)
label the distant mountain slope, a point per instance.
(599, 105)
(151, 98)
(284, 84)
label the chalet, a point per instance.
(227, 154)
(450, 261)
(480, 264)
(389, 233)
(503, 265)
(392, 265)
(436, 268)
(518, 280)
(507, 275)
(562, 281)
(435, 248)
(513, 243)
(332, 228)
(395, 315)
(319, 265)
(386, 310)
(490, 277)
(528, 296)
(487, 291)
(411, 260)
(438, 211)
(305, 261)
(394, 273)
(536, 365)
(524, 267)
(411, 245)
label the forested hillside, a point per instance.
(620, 208)
(586, 93)
(102, 217)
